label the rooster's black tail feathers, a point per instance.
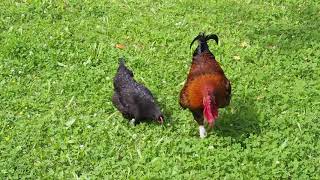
(202, 39)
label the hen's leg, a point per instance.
(133, 122)
(198, 116)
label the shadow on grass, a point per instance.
(289, 37)
(239, 123)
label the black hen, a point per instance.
(132, 99)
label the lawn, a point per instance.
(58, 58)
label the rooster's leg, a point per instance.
(202, 131)
(198, 116)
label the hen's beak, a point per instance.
(160, 120)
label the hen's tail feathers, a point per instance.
(122, 61)
(123, 68)
(202, 39)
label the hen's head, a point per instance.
(150, 110)
(153, 112)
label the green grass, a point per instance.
(58, 58)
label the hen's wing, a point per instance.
(125, 111)
(131, 97)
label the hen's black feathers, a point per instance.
(132, 99)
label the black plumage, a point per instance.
(132, 99)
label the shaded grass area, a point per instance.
(57, 61)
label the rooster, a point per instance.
(207, 88)
(133, 100)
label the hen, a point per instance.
(207, 88)
(133, 100)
